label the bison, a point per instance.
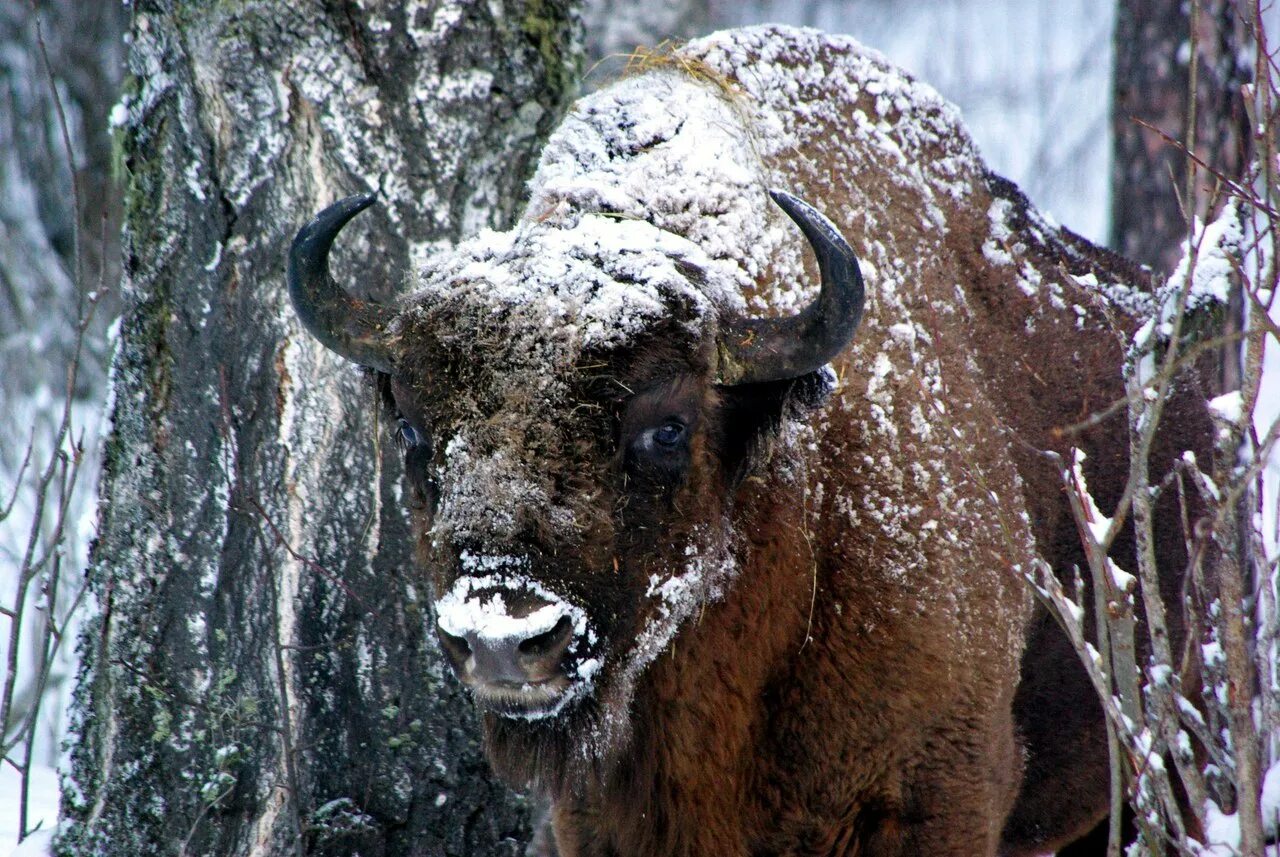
(720, 581)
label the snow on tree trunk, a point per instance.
(260, 677)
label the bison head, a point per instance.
(577, 400)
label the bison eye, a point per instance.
(661, 453)
(669, 434)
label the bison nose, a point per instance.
(482, 657)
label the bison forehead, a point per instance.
(575, 282)
(514, 326)
(677, 151)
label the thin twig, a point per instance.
(61, 466)
(1232, 186)
(306, 560)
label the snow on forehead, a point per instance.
(647, 199)
(599, 280)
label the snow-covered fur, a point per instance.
(809, 641)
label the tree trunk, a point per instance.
(260, 677)
(1152, 85)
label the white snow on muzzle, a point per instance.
(479, 606)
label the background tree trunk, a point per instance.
(38, 218)
(615, 28)
(1152, 85)
(260, 677)
(55, 244)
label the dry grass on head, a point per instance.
(667, 55)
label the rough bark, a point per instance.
(260, 678)
(1152, 85)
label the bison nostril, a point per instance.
(455, 647)
(501, 639)
(549, 643)
(508, 660)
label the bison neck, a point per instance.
(708, 752)
(818, 709)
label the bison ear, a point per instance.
(758, 350)
(749, 416)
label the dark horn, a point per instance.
(755, 350)
(354, 328)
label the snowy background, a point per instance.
(1032, 80)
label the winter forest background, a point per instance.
(1034, 80)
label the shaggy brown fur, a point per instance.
(852, 686)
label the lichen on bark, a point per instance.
(259, 677)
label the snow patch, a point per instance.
(476, 606)
(42, 810)
(1210, 251)
(1228, 407)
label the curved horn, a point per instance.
(353, 328)
(754, 350)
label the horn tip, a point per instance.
(796, 208)
(346, 208)
(312, 241)
(777, 194)
(361, 201)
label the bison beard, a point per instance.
(712, 594)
